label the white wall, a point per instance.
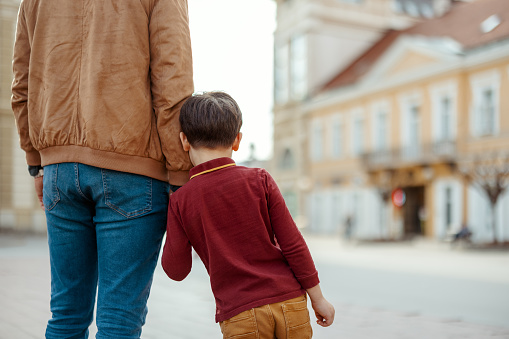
(479, 216)
(329, 208)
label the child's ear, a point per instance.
(185, 144)
(236, 143)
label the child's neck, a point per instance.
(202, 154)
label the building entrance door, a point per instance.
(414, 203)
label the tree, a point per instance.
(488, 172)
(383, 183)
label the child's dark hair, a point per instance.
(210, 119)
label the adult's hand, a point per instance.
(38, 190)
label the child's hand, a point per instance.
(324, 312)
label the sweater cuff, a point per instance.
(309, 281)
(33, 158)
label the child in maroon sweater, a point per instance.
(236, 220)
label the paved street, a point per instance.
(384, 291)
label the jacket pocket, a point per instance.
(298, 325)
(50, 195)
(128, 194)
(241, 326)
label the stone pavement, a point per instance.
(184, 310)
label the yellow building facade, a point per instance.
(393, 138)
(380, 148)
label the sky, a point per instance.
(232, 43)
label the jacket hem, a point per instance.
(104, 159)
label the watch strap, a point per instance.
(34, 170)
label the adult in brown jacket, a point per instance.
(97, 90)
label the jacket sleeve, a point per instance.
(288, 236)
(177, 257)
(171, 74)
(19, 99)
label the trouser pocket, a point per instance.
(128, 194)
(298, 325)
(50, 195)
(241, 326)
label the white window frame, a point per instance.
(316, 140)
(358, 135)
(407, 104)
(438, 93)
(337, 137)
(378, 109)
(281, 74)
(298, 67)
(480, 83)
(287, 163)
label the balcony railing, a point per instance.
(442, 151)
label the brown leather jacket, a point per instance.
(101, 82)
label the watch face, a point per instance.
(34, 170)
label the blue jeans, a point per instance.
(104, 233)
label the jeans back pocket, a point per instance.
(128, 194)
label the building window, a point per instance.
(316, 141)
(298, 67)
(448, 204)
(445, 119)
(412, 131)
(484, 117)
(287, 160)
(337, 138)
(414, 126)
(281, 89)
(487, 113)
(416, 8)
(358, 135)
(444, 98)
(381, 130)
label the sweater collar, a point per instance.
(211, 166)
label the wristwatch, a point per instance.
(36, 171)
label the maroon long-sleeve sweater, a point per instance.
(237, 221)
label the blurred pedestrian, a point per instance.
(463, 234)
(97, 91)
(349, 224)
(259, 264)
